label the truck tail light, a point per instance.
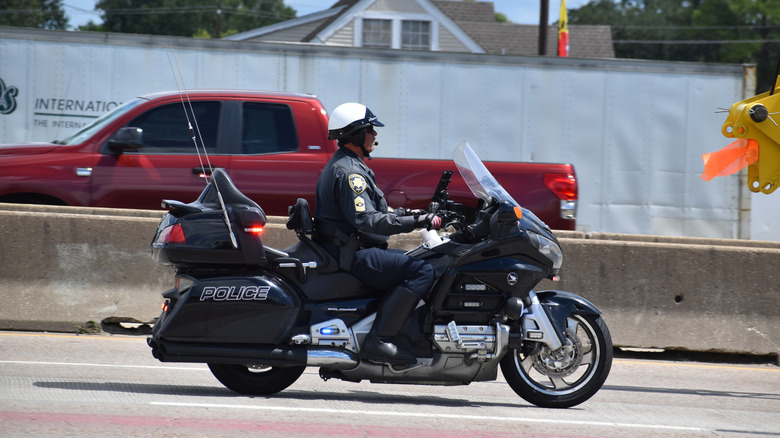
(564, 186)
(171, 234)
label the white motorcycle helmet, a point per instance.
(348, 122)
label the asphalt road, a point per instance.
(102, 385)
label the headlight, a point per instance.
(548, 248)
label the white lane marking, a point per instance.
(108, 365)
(432, 415)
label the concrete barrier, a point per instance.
(61, 267)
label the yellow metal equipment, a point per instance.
(754, 123)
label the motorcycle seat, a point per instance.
(306, 249)
(326, 282)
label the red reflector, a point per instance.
(172, 234)
(563, 185)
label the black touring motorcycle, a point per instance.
(258, 316)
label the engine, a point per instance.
(479, 342)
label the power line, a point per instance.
(186, 10)
(692, 42)
(640, 27)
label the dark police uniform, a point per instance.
(351, 214)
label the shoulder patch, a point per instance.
(360, 204)
(357, 183)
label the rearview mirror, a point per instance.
(126, 139)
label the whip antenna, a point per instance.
(194, 138)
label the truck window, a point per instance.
(166, 130)
(267, 129)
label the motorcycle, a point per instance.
(258, 316)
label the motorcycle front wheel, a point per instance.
(255, 380)
(565, 377)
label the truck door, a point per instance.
(167, 166)
(279, 156)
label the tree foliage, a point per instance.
(43, 14)
(202, 18)
(692, 30)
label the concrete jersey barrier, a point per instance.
(61, 267)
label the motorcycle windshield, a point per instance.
(481, 182)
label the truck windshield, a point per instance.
(88, 131)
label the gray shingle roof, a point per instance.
(523, 40)
(467, 11)
(477, 19)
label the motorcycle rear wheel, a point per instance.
(251, 380)
(568, 376)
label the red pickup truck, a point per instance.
(273, 145)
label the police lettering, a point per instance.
(230, 293)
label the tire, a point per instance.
(577, 373)
(255, 380)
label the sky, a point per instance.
(517, 11)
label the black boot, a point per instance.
(393, 312)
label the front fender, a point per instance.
(560, 304)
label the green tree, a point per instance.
(42, 14)
(204, 18)
(691, 30)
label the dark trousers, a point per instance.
(387, 268)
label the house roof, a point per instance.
(475, 22)
(523, 40)
(477, 19)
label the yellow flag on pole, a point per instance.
(563, 31)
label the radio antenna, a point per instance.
(182, 89)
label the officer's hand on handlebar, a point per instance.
(429, 221)
(411, 212)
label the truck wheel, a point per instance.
(565, 377)
(255, 380)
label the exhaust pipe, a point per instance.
(335, 359)
(252, 354)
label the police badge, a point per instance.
(357, 183)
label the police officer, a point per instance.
(352, 222)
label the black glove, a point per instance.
(429, 221)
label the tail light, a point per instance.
(256, 230)
(172, 234)
(564, 186)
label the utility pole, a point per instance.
(544, 11)
(218, 24)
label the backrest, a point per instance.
(300, 218)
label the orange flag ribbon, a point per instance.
(731, 159)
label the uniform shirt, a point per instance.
(349, 200)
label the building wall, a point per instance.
(343, 37)
(398, 6)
